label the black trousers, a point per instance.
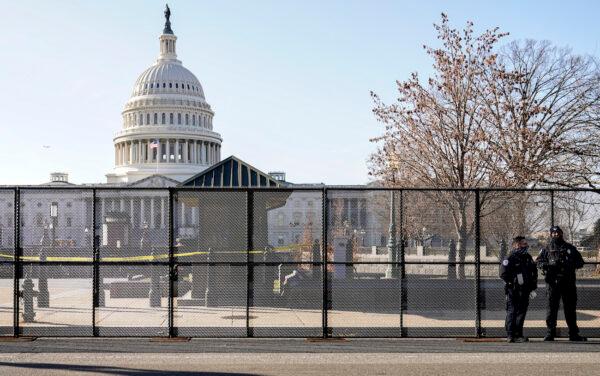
(517, 301)
(566, 290)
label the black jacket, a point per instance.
(560, 263)
(519, 262)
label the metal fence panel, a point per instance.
(286, 285)
(6, 299)
(287, 301)
(210, 226)
(437, 306)
(56, 225)
(56, 300)
(210, 300)
(132, 225)
(7, 230)
(133, 300)
(251, 262)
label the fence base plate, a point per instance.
(17, 339)
(170, 339)
(482, 339)
(328, 339)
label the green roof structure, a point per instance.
(231, 172)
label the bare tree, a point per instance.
(544, 115)
(529, 116)
(435, 132)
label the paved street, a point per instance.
(51, 356)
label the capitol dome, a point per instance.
(163, 78)
(167, 123)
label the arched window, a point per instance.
(194, 119)
(188, 85)
(147, 119)
(164, 85)
(187, 119)
(171, 118)
(155, 118)
(176, 86)
(140, 119)
(164, 116)
(151, 85)
(170, 85)
(179, 118)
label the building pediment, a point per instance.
(155, 181)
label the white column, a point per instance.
(131, 212)
(202, 153)
(177, 151)
(148, 153)
(193, 215)
(141, 211)
(162, 212)
(182, 224)
(151, 212)
(159, 151)
(130, 147)
(185, 151)
(168, 150)
(193, 151)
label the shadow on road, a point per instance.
(113, 370)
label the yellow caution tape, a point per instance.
(162, 256)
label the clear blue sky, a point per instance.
(289, 80)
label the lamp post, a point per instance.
(86, 236)
(392, 246)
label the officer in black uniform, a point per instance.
(558, 262)
(519, 273)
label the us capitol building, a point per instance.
(167, 140)
(167, 123)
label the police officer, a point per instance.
(519, 273)
(558, 262)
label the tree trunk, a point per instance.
(451, 259)
(461, 246)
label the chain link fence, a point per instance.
(279, 262)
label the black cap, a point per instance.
(555, 229)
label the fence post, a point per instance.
(172, 274)
(17, 267)
(325, 229)
(249, 260)
(401, 259)
(479, 332)
(95, 268)
(552, 208)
